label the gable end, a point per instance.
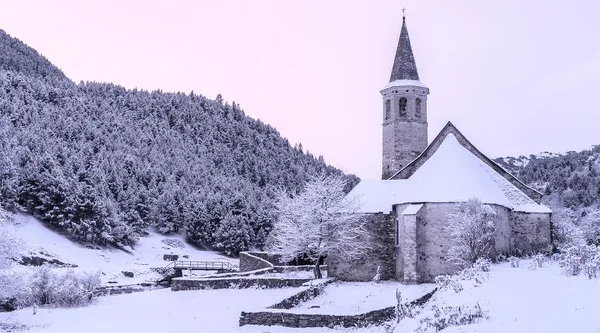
(413, 166)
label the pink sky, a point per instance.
(516, 77)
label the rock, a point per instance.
(112, 282)
(314, 307)
(39, 261)
(127, 274)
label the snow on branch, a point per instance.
(319, 221)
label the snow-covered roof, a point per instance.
(412, 209)
(402, 83)
(451, 174)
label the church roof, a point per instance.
(450, 171)
(413, 166)
(404, 67)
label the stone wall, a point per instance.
(381, 229)
(124, 289)
(433, 241)
(179, 284)
(303, 296)
(531, 233)
(287, 319)
(516, 233)
(404, 137)
(252, 261)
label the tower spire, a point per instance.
(404, 67)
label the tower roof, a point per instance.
(404, 67)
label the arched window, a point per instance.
(402, 106)
(418, 108)
(388, 109)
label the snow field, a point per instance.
(346, 298)
(44, 242)
(524, 300)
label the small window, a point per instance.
(418, 108)
(388, 109)
(402, 106)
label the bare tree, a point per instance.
(471, 231)
(319, 221)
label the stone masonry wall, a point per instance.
(381, 228)
(235, 283)
(531, 233)
(404, 137)
(288, 319)
(433, 241)
(303, 296)
(251, 261)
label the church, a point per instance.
(407, 210)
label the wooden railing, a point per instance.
(202, 265)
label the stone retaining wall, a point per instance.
(303, 296)
(124, 289)
(288, 319)
(252, 262)
(235, 283)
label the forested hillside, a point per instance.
(570, 180)
(103, 163)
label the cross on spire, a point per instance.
(403, 12)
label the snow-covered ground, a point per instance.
(360, 297)
(44, 242)
(527, 300)
(207, 311)
(515, 299)
(153, 311)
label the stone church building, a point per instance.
(422, 184)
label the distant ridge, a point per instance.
(16, 56)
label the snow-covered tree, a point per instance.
(9, 244)
(590, 226)
(317, 222)
(471, 232)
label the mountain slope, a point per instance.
(570, 180)
(102, 163)
(17, 57)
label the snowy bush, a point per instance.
(471, 231)
(580, 258)
(404, 310)
(565, 232)
(537, 261)
(448, 282)
(482, 264)
(65, 290)
(514, 261)
(440, 318)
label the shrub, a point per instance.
(443, 317)
(448, 282)
(482, 265)
(539, 260)
(514, 261)
(65, 290)
(580, 258)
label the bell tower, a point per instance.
(404, 110)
